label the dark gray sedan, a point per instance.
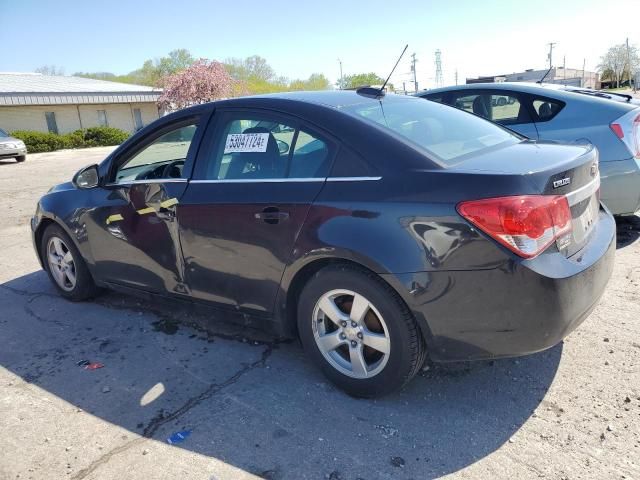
(609, 121)
(380, 230)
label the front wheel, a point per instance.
(359, 332)
(21, 158)
(65, 265)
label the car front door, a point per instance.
(501, 106)
(239, 218)
(133, 232)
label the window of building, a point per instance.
(52, 126)
(252, 149)
(137, 119)
(102, 118)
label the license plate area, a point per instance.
(584, 216)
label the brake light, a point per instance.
(525, 224)
(627, 129)
(617, 129)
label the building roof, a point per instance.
(38, 89)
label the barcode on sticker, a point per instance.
(246, 142)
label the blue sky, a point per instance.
(299, 38)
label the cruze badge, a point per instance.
(562, 182)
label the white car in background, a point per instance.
(11, 147)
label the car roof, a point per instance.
(329, 98)
(553, 90)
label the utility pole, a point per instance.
(413, 69)
(584, 61)
(341, 77)
(564, 70)
(439, 81)
(456, 76)
(550, 56)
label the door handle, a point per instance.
(271, 215)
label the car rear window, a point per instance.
(446, 134)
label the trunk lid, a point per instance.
(551, 169)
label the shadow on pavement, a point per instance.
(628, 230)
(257, 404)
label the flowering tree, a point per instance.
(201, 82)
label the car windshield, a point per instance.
(3, 133)
(446, 134)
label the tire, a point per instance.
(21, 158)
(77, 284)
(387, 321)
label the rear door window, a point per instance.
(258, 148)
(505, 109)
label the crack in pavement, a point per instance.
(106, 457)
(159, 421)
(214, 388)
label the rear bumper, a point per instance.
(620, 186)
(520, 308)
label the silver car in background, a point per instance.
(11, 147)
(553, 112)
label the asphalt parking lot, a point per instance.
(257, 408)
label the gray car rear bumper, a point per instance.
(620, 187)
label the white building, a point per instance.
(61, 104)
(566, 76)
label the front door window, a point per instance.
(164, 158)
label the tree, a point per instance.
(255, 75)
(50, 70)
(316, 81)
(203, 81)
(362, 80)
(619, 63)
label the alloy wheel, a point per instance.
(351, 334)
(61, 263)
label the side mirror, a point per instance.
(87, 177)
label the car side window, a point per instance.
(465, 102)
(505, 109)
(546, 108)
(259, 148)
(439, 98)
(163, 158)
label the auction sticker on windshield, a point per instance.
(246, 142)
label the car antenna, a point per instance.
(379, 92)
(544, 76)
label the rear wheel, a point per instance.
(65, 266)
(21, 158)
(359, 332)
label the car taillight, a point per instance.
(617, 129)
(525, 224)
(627, 129)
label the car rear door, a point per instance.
(505, 107)
(239, 218)
(133, 231)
